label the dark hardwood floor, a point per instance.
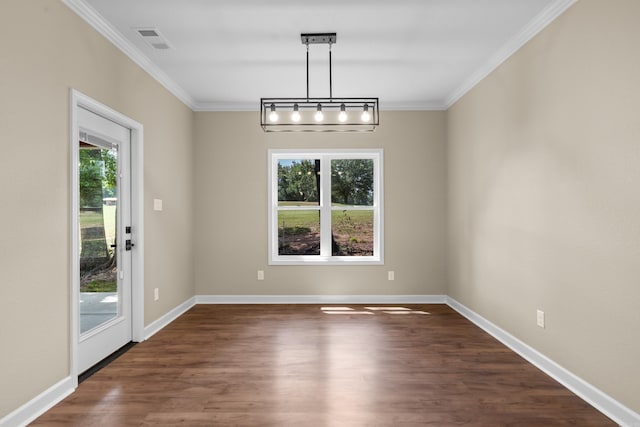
(300, 365)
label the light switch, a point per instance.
(540, 318)
(157, 204)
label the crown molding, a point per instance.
(412, 106)
(227, 106)
(254, 106)
(535, 26)
(95, 20)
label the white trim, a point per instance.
(320, 299)
(412, 106)
(102, 26)
(168, 317)
(590, 394)
(74, 200)
(40, 404)
(227, 106)
(137, 224)
(535, 26)
(325, 206)
(254, 106)
(595, 397)
(79, 99)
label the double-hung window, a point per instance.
(325, 207)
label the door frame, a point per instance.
(78, 100)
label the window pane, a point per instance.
(298, 182)
(299, 232)
(352, 232)
(352, 182)
(98, 193)
(327, 208)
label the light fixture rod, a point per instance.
(330, 80)
(307, 71)
(319, 38)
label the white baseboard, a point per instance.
(167, 318)
(39, 404)
(56, 393)
(595, 397)
(321, 299)
(592, 395)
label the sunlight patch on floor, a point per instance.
(345, 312)
(371, 310)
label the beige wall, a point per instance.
(45, 51)
(544, 195)
(231, 208)
(541, 177)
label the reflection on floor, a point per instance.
(302, 365)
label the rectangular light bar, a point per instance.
(319, 114)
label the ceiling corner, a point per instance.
(535, 26)
(95, 20)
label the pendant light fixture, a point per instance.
(319, 114)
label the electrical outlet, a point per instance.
(540, 318)
(391, 275)
(156, 294)
(260, 274)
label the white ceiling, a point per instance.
(412, 54)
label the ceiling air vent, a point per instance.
(160, 46)
(148, 33)
(153, 38)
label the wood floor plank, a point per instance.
(293, 365)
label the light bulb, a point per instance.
(343, 114)
(365, 114)
(273, 116)
(295, 116)
(319, 116)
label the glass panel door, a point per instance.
(104, 246)
(99, 290)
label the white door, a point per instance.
(104, 230)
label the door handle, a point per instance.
(128, 245)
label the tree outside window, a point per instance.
(326, 207)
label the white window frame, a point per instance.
(325, 208)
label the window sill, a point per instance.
(327, 261)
